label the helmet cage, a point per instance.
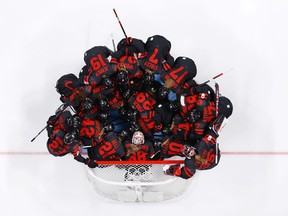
(138, 138)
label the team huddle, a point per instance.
(136, 103)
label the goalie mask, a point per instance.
(138, 138)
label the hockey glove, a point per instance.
(90, 163)
(173, 170)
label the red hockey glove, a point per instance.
(173, 170)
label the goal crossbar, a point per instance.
(141, 162)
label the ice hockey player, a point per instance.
(129, 50)
(158, 57)
(101, 100)
(196, 113)
(138, 148)
(184, 69)
(205, 154)
(63, 137)
(151, 107)
(76, 95)
(110, 148)
(91, 131)
(99, 67)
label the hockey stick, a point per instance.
(120, 23)
(61, 108)
(182, 98)
(113, 42)
(217, 113)
(135, 55)
(217, 94)
(39, 133)
(215, 77)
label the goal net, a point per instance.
(136, 181)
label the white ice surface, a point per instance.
(42, 40)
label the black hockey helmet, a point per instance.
(82, 74)
(94, 51)
(206, 89)
(123, 78)
(84, 71)
(74, 121)
(122, 43)
(108, 83)
(66, 84)
(225, 107)
(159, 41)
(70, 138)
(127, 93)
(194, 115)
(188, 64)
(103, 104)
(148, 78)
(163, 92)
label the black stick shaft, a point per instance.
(62, 107)
(39, 133)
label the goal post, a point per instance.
(136, 181)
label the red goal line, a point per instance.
(254, 153)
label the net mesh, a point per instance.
(136, 182)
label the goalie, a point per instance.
(139, 148)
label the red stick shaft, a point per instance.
(120, 22)
(215, 77)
